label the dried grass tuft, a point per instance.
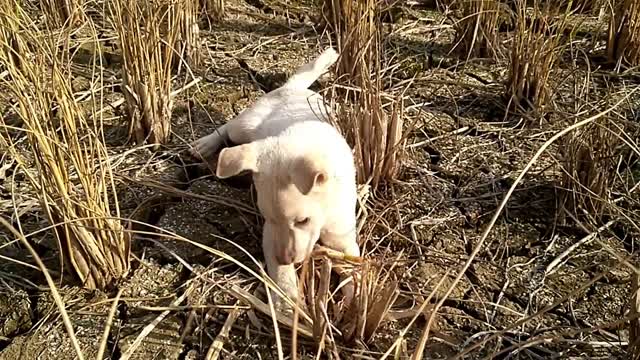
(597, 163)
(588, 158)
(477, 27)
(623, 41)
(372, 122)
(377, 291)
(62, 12)
(376, 287)
(73, 179)
(188, 39)
(536, 47)
(591, 7)
(148, 58)
(16, 47)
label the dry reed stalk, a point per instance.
(357, 28)
(188, 39)
(587, 7)
(16, 50)
(73, 179)
(214, 9)
(376, 289)
(477, 27)
(373, 123)
(623, 41)
(535, 50)
(377, 292)
(148, 57)
(62, 12)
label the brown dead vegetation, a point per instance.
(623, 42)
(70, 173)
(147, 32)
(373, 122)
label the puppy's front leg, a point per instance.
(205, 147)
(346, 242)
(283, 275)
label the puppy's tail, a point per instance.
(310, 72)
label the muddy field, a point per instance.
(462, 157)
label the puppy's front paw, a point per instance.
(348, 293)
(205, 147)
(196, 149)
(281, 304)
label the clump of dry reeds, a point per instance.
(623, 41)
(376, 289)
(477, 27)
(588, 7)
(146, 42)
(61, 12)
(597, 163)
(186, 20)
(535, 50)
(16, 48)
(72, 176)
(588, 160)
(373, 122)
(214, 9)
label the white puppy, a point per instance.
(303, 171)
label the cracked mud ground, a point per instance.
(448, 191)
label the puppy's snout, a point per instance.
(286, 256)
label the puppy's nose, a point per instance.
(285, 257)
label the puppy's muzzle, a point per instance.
(286, 256)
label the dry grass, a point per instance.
(72, 177)
(188, 40)
(148, 58)
(590, 7)
(623, 41)
(536, 47)
(588, 157)
(373, 122)
(334, 321)
(183, 15)
(16, 47)
(477, 27)
(62, 12)
(596, 161)
(357, 30)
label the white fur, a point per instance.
(281, 128)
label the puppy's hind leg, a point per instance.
(306, 74)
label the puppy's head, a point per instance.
(292, 193)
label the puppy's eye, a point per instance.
(302, 222)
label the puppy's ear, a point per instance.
(237, 159)
(309, 173)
